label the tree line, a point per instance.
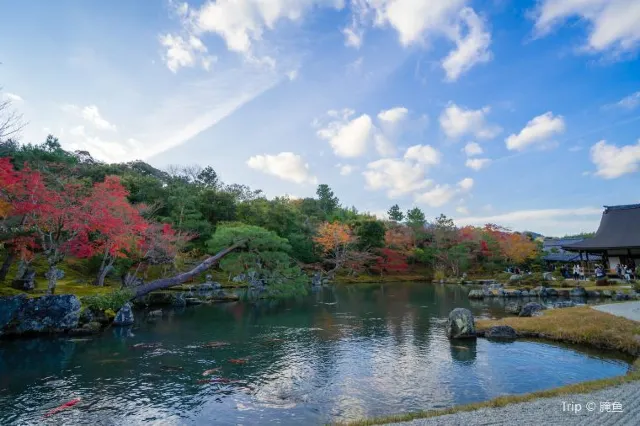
(127, 218)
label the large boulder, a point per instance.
(515, 277)
(607, 293)
(531, 309)
(46, 314)
(547, 276)
(124, 317)
(501, 332)
(461, 324)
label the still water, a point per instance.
(340, 354)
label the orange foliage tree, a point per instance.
(337, 243)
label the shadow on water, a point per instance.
(339, 353)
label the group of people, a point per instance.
(578, 272)
(627, 272)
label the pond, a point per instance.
(343, 353)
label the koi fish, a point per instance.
(463, 348)
(211, 371)
(146, 345)
(171, 368)
(238, 361)
(62, 407)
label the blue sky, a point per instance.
(524, 113)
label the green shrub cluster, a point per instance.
(103, 302)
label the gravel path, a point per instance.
(630, 310)
(550, 411)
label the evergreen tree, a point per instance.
(327, 201)
(415, 217)
(395, 213)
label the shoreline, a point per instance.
(588, 327)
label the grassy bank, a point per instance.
(581, 325)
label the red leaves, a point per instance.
(392, 261)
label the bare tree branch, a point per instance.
(10, 121)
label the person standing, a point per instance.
(576, 272)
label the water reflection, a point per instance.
(338, 354)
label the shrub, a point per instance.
(439, 275)
(603, 282)
(110, 301)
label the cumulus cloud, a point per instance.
(348, 137)
(472, 149)
(477, 163)
(423, 154)
(612, 162)
(457, 121)
(471, 48)
(186, 51)
(346, 169)
(397, 176)
(612, 24)
(440, 195)
(402, 176)
(285, 165)
(538, 130)
(112, 150)
(92, 115)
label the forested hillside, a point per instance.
(124, 223)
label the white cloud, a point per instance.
(612, 162)
(346, 169)
(398, 177)
(384, 146)
(101, 149)
(471, 48)
(457, 121)
(550, 222)
(575, 148)
(393, 115)
(348, 138)
(243, 23)
(477, 163)
(612, 24)
(92, 115)
(185, 52)
(285, 165)
(466, 184)
(12, 97)
(438, 196)
(472, 149)
(629, 102)
(538, 130)
(423, 154)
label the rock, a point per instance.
(461, 324)
(551, 292)
(515, 277)
(501, 332)
(564, 293)
(46, 314)
(124, 317)
(531, 309)
(495, 286)
(547, 276)
(476, 294)
(593, 294)
(524, 293)
(191, 301)
(620, 296)
(86, 316)
(578, 292)
(502, 293)
(513, 308)
(487, 293)
(607, 293)
(179, 300)
(564, 304)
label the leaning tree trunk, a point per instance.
(186, 276)
(105, 268)
(6, 265)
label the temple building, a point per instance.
(617, 239)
